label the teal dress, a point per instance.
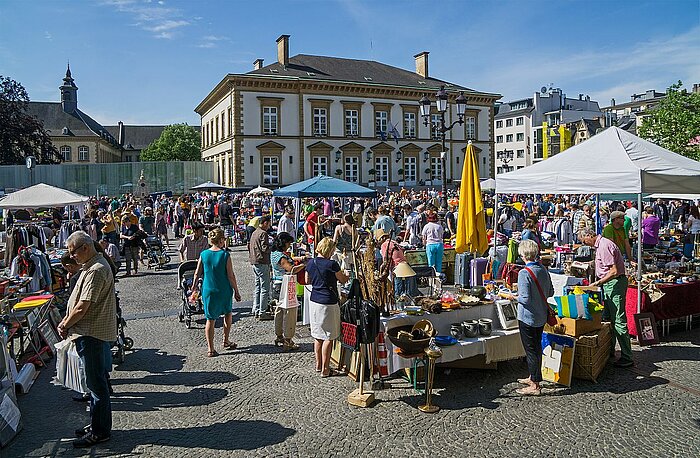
(216, 289)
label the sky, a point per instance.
(151, 62)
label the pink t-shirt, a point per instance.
(607, 254)
(397, 255)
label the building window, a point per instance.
(409, 125)
(320, 121)
(470, 127)
(410, 167)
(520, 137)
(436, 168)
(216, 129)
(128, 159)
(352, 123)
(519, 121)
(435, 126)
(319, 166)
(83, 153)
(352, 169)
(509, 138)
(270, 120)
(66, 153)
(381, 122)
(483, 159)
(509, 123)
(271, 170)
(499, 139)
(521, 167)
(521, 153)
(223, 125)
(381, 169)
(230, 123)
(499, 124)
(499, 170)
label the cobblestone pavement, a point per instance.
(171, 400)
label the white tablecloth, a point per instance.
(501, 345)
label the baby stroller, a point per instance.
(185, 276)
(156, 253)
(123, 343)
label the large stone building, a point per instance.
(538, 127)
(308, 115)
(77, 136)
(629, 115)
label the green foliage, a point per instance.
(675, 122)
(21, 134)
(177, 142)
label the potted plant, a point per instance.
(338, 172)
(429, 175)
(372, 183)
(401, 180)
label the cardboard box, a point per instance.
(575, 328)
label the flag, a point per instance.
(382, 135)
(471, 218)
(394, 132)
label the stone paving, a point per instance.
(171, 400)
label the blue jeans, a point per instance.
(96, 357)
(261, 295)
(405, 286)
(433, 252)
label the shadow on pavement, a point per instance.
(451, 392)
(147, 401)
(230, 435)
(179, 379)
(151, 360)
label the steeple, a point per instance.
(69, 93)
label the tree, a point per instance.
(177, 142)
(675, 122)
(21, 134)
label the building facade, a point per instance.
(629, 115)
(353, 119)
(538, 127)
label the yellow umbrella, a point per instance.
(471, 220)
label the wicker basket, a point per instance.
(592, 353)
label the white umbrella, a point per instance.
(208, 187)
(260, 191)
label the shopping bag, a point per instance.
(288, 293)
(573, 306)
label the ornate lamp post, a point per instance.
(441, 98)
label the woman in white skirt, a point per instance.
(323, 274)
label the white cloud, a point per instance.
(48, 35)
(158, 19)
(206, 45)
(210, 41)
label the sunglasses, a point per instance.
(75, 250)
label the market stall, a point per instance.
(631, 166)
(676, 301)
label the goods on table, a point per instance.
(575, 328)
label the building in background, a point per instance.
(628, 116)
(357, 120)
(77, 137)
(538, 127)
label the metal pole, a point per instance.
(443, 158)
(639, 252)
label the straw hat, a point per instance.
(379, 233)
(403, 270)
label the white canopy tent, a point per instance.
(488, 185)
(612, 162)
(39, 196)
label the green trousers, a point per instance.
(614, 298)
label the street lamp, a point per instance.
(441, 98)
(505, 156)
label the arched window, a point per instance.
(66, 153)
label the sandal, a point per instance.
(279, 341)
(289, 345)
(212, 354)
(525, 381)
(331, 373)
(529, 391)
(230, 346)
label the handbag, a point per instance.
(551, 316)
(288, 293)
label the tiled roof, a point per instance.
(511, 113)
(139, 137)
(77, 122)
(351, 70)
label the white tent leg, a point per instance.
(639, 253)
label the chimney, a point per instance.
(696, 88)
(580, 96)
(612, 102)
(120, 134)
(422, 63)
(283, 50)
(258, 64)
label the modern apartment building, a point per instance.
(534, 128)
(629, 115)
(358, 120)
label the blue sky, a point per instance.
(152, 62)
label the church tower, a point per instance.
(69, 93)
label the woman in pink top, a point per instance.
(650, 229)
(432, 239)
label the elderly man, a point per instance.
(259, 257)
(610, 274)
(193, 245)
(92, 322)
(286, 223)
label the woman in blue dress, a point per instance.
(219, 284)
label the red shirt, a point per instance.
(397, 255)
(311, 222)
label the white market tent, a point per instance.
(612, 162)
(488, 184)
(39, 196)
